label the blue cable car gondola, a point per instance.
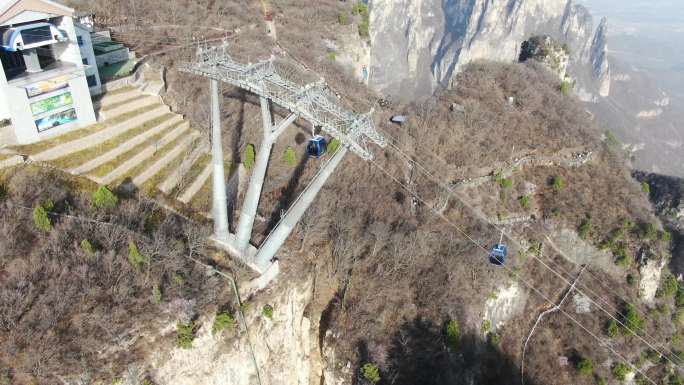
(499, 252)
(498, 255)
(317, 146)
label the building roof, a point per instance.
(11, 8)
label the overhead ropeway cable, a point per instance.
(436, 180)
(511, 271)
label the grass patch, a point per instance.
(81, 133)
(108, 167)
(81, 157)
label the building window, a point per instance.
(85, 61)
(79, 39)
(92, 81)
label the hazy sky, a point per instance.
(644, 33)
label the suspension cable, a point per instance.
(511, 271)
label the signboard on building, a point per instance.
(52, 103)
(46, 86)
(55, 120)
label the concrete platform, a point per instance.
(229, 245)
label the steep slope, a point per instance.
(419, 45)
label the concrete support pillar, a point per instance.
(256, 181)
(219, 200)
(276, 239)
(31, 60)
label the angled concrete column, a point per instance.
(256, 181)
(219, 200)
(276, 239)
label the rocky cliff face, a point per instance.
(418, 45)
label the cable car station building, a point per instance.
(44, 89)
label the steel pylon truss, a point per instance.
(312, 101)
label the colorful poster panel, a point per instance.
(46, 86)
(52, 103)
(56, 120)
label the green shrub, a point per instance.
(332, 56)
(620, 371)
(134, 257)
(222, 321)
(665, 237)
(41, 219)
(585, 367)
(3, 192)
(156, 294)
(267, 311)
(290, 157)
(648, 231)
(631, 280)
(679, 296)
(360, 9)
(675, 380)
(557, 184)
(611, 139)
(87, 247)
(185, 334)
(178, 279)
(525, 202)
(584, 228)
(333, 146)
(633, 323)
(653, 356)
(371, 372)
(621, 257)
(668, 286)
(486, 326)
(343, 19)
(364, 30)
(678, 316)
(248, 157)
(645, 187)
(104, 198)
(493, 339)
(565, 87)
(453, 334)
(612, 328)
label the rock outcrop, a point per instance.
(419, 45)
(547, 51)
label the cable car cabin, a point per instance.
(317, 146)
(498, 254)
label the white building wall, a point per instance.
(15, 101)
(87, 53)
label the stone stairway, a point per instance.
(137, 141)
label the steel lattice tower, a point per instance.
(311, 102)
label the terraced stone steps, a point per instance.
(127, 145)
(197, 185)
(138, 159)
(64, 149)
(166, 159)
(175, 177)
(139, 101)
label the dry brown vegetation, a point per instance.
(65, 310)
(400, 272)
